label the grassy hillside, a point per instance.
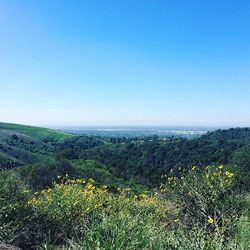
(20, 144)
(43, 134)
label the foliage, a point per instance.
(73, 208)
(78, 214)
(147, 159)
(72, 148)
(241, 158)
(205, 198)
(143, 159)
(41, 175)
(14, 196)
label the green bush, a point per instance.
(42, 175)
(205, 198)
(14, 196)
(78, 209)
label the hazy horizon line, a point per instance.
(128, 125)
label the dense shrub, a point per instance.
(41, 175)
(14, 196)
(75, 208)
(205, 198)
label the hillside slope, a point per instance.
(43, 134)
(142, 159)
(149, 159)
(20, 144)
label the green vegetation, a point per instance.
(148, 159)
(198, 210)
(43, 134)
(103, 175)
(79, 192)
(20, 144)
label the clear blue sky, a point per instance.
(125, 62)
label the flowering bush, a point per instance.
(204, 197)
(199, 211)
(69, 208)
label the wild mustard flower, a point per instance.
(210, 220)
(98, 206)
(229, 174)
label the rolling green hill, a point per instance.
(43, 134)
(20, 144)
(141, 159)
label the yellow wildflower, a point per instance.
(229, 174)
(210, 220)
(98, 206)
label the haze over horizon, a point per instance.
(126, 63)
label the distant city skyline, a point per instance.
(125, 63)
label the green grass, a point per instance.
(20, 144)
(36, 132)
